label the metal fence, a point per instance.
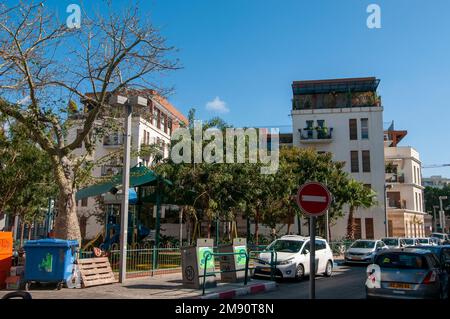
(142, 261)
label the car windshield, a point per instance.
(390, 241)
(401, 260)
(286, 246)
(438, 236)
(423, 240)
(363, 244)
(409, 241)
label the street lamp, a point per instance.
(441, 212)
(128, 103)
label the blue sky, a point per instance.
(248, 52)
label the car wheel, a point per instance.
(328, 269)
(299, 272)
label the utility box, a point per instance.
(193, 264)
(232, 267)
(6, 252)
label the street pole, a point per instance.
(126, 185)
(434, 218)
(312, 257)
(442, 212)
(386, 223)
(217, 231)
(157, 222)
(327, 227)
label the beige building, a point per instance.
(152, 125)
(404, 190)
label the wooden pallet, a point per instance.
(96, 271)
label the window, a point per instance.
(366, 161)
(354, 161)
(353, 127)
(84, 202)
(415, 175)
(402, 260)
(417, 201)
(158, 119)
(163, 122)
(364, 129)
(369, 228)
(320, 245)
(358, 234)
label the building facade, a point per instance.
(345, 117)
(151, 126)
(436, 181)
(404, 190)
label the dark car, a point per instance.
(409, 273)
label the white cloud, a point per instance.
(25, 100)
(217, 105)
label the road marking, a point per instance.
(312, 198)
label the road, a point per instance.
(347, 282)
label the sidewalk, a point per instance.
(157, 287)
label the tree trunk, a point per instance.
(351, 224)
(256, 228)
(66, 221)
(22, 230)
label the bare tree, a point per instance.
(45, 67)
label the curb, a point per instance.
(248, 290)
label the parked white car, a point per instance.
(441, 237)
(427, 241)
(364, 251)
(291, 258)
(393, 242)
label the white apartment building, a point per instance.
(153, 125)
(345, 117)
(436, 181)
(404, 190)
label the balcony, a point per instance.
(399, 204)
(316, 135)
(113, 140)
(395, 178)
(109, 170)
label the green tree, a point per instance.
(26, 180)
(358, 196)
(45, 67)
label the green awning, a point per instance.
(139, 176)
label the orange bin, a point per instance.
(6, 251)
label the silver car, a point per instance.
(363, 251)
(393, 242)
(410, 273)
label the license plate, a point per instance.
(399, 285)
(265, 269)
(356, 258)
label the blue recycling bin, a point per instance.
(49, 260)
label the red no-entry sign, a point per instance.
(313, 199)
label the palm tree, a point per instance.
(358, 196)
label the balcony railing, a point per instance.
(313, 135)
(108, 170)
(395, 178)
(400, 204)
(113, 140)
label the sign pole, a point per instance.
(314, 200)
(312, 257)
